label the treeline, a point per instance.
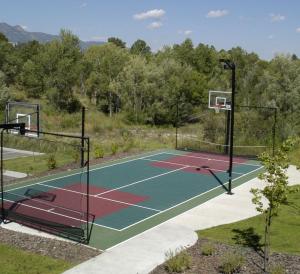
(142, 84)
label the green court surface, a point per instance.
(134, 194)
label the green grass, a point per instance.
(34, 165)
(15, 261)
(285, 232)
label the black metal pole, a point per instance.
(231, 127)
(38, 120)
(88, 189)
(82, 135)
(176, 133)
(227, 136)
(2, 183)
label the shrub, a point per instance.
(51, 161)
(98, 151)
(114, 148)
(177, 261)
(231, 263)
(277, 269)
(207, 249)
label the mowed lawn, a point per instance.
(285, 230)
(16, 261)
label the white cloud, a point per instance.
(276, 17)
(24, 27)
(298, 30)
(187, 32)
(83, 5)
(217, 13)
(156, 13)
(155, 25)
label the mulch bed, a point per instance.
(71, 252)
(253, 260)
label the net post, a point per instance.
(231, 128)
(227, 131)
(88, 189)
(176, 125)
(82, 135)
(1, 177)
(38, 119)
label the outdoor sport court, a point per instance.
(131, 195)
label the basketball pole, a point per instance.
(231, 65)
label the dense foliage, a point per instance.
(144, 85)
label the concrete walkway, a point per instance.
(144, 252)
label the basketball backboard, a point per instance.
(219, 100)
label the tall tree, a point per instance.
(106, 61)
(117, 41)
(140, 47)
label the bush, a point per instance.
(114, 148)
(177, 261)
(231, 263)
(98, 151)
(207, 249)
(277, 269)
(51, 161)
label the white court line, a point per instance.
(140, 181)
(187, 166)
(66, 216)
(189, 200)
(210, 159)
(69, 175)
(103, 198)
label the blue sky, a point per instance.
(265, 27)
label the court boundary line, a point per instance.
(191, 166)
(210, 159)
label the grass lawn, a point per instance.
(285, 230)
(15, 261)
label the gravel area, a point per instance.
(64, 250)
(253, 260)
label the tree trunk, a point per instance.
(267, 240)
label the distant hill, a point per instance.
(17, 35)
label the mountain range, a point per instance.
(17, 35)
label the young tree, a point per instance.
(275, 191)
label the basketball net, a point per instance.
(217, 108)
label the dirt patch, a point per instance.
(253, 260)
(71, 252)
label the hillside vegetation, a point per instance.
(133, 93)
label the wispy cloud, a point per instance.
(185, 32)
(276, 17)
(271, 36)
(155, 25)
(217, 13)
(156, 14)
(298, 30)
(83, 5)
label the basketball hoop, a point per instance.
(217, 108)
